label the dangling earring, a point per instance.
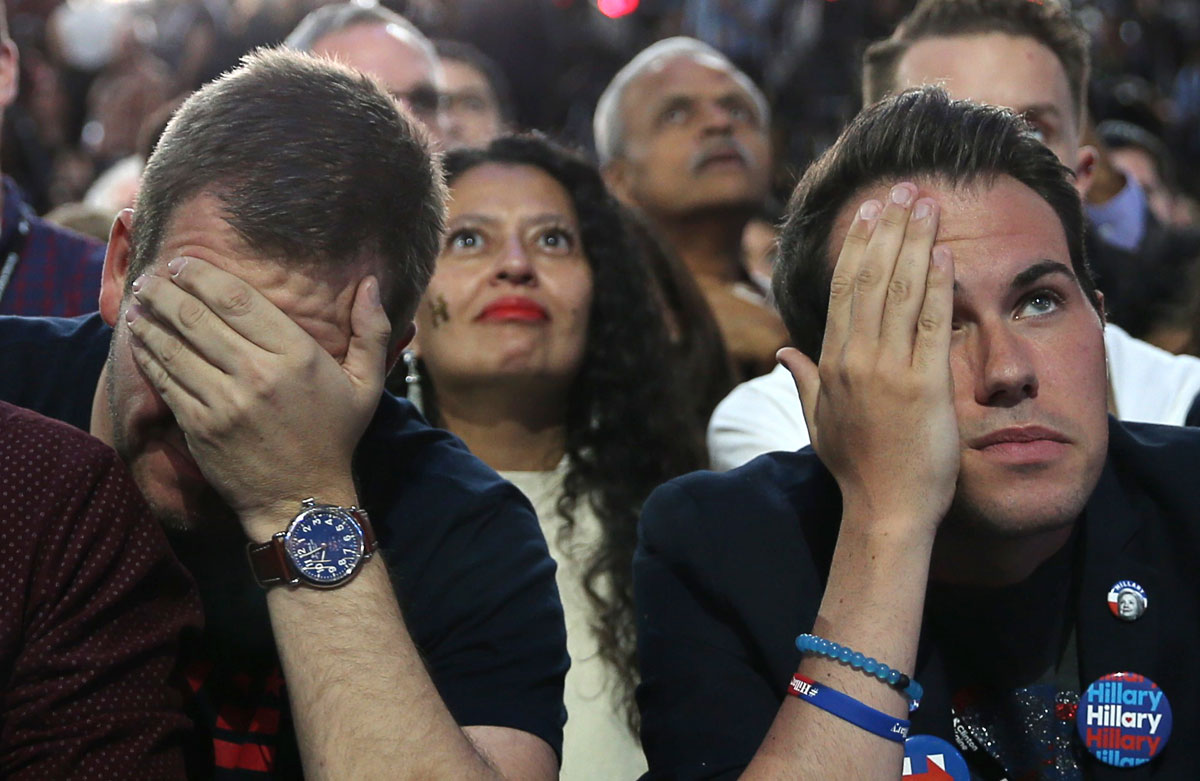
(412, 379)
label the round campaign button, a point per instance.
(1127, 600)
(933, 759)
(1124, 719)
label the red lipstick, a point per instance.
(514, 308)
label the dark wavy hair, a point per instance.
(920, 134)
(628, 426)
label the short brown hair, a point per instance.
(313, 163)
(1045, 21)
(919, 134)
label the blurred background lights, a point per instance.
(615, 8)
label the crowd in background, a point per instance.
(98, 76)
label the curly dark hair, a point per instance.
(628, 426)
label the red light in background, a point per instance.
(616, 8)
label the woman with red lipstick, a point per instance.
(543, 346)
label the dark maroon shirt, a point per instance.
(92, 604)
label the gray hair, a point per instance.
(608, 123)
(338, 16)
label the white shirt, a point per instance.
(596, 742)
(763, 415)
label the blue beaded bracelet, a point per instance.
(844, 707)
(811, 644)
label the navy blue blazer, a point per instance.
(731, 567)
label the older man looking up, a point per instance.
(681, 135)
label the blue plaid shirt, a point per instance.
(57, 271)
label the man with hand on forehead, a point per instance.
(952, 538)
(378, 603)
(1030, 57)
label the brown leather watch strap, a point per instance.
(364, 523)
(269, 562)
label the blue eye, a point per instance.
(1042, 302)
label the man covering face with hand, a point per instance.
(286, 227)
(938, 566)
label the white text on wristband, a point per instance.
(849, 709)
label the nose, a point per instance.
(450, 127)
(717, 119)
(514, 265)
(1005, 372)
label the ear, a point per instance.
(10, 72)
(397, 347)
(1085, 168)
(619, 179)
(116, 267)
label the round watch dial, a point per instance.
(325, 544)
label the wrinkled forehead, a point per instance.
(682, 73)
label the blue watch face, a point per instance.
(325, 545)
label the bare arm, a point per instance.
(363, 704)
(881, 412)
(271, 417)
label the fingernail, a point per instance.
(902, 194)
(869, 210)
(137, 283)
(133, 312)
(176, 265)
(373, 292)
(923, 209)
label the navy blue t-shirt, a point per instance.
(466, 557)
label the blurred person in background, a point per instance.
(703, 361)
(44, 269)
(542, 347)
(132, 86)
(1140, 154)
(760, 243)
(476, 101)
(1034, 59)
(375, 40)
(681, 135)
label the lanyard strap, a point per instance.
(14, 253)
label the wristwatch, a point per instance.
(324, 546)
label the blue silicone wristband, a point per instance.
(839, 653)
(849, 709)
